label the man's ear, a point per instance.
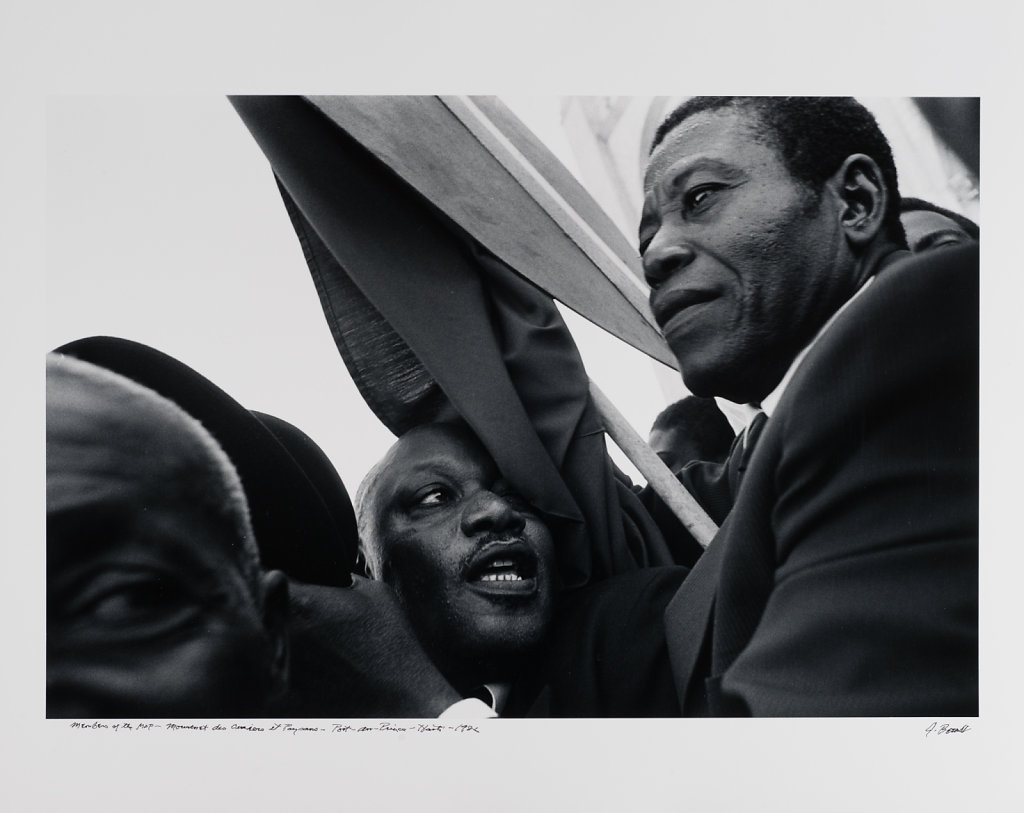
(362, 563)
(361, 566)
(275, 625)
(863, 199)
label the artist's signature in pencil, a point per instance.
(945, 728)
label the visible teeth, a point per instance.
(501, 577)
(502, 563)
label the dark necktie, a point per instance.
(742, 450)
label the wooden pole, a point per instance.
(665, 484)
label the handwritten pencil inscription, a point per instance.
(282, 728)
(945, 728)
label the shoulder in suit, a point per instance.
(845, 577)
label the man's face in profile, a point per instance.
(926, 229)
(148, 613)
(472, 563)
(731, 244)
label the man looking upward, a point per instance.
(844, 580)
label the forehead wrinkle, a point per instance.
(738, 122)
(441, 449)
(118, 438)
(439, 466)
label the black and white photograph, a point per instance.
(497, 550)
(573, 434)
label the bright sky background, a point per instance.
(164, 225)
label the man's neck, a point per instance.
(878, 263)
(873, 260)
(493, 672)
(866, 266)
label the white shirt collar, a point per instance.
(473, 708)
(772, 399)
(499, 694)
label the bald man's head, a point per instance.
(157, 605)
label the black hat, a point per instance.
(301, 513)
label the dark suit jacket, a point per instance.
(844, 580)
(606, 655)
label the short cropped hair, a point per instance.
(365, 506)
(199, 473)
(813, 136)
(918, 205)
(702, 421)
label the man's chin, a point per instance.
(483, 637)
(727, 378)
(502, 658)
(469, 659)
(502, 634)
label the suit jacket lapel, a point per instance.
(687, 617)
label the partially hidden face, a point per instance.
(472, 563)
(926, 229)
(743, 260)
(148, 613)
(674, 446)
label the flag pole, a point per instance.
(665, 484)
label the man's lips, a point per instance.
(503, 568)
(671, 307)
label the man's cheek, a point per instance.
(417, 578)
(543, 544)
(193, 675)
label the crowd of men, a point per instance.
(204, 560)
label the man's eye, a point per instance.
(133, 600)
(125, 603)
(140, 605)
(696, 198)
(433, 496)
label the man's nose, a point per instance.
(667, 253)
(488, 512)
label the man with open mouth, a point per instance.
(471, 562)
(474, 567)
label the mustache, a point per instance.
(491, 546)
(503, 538)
